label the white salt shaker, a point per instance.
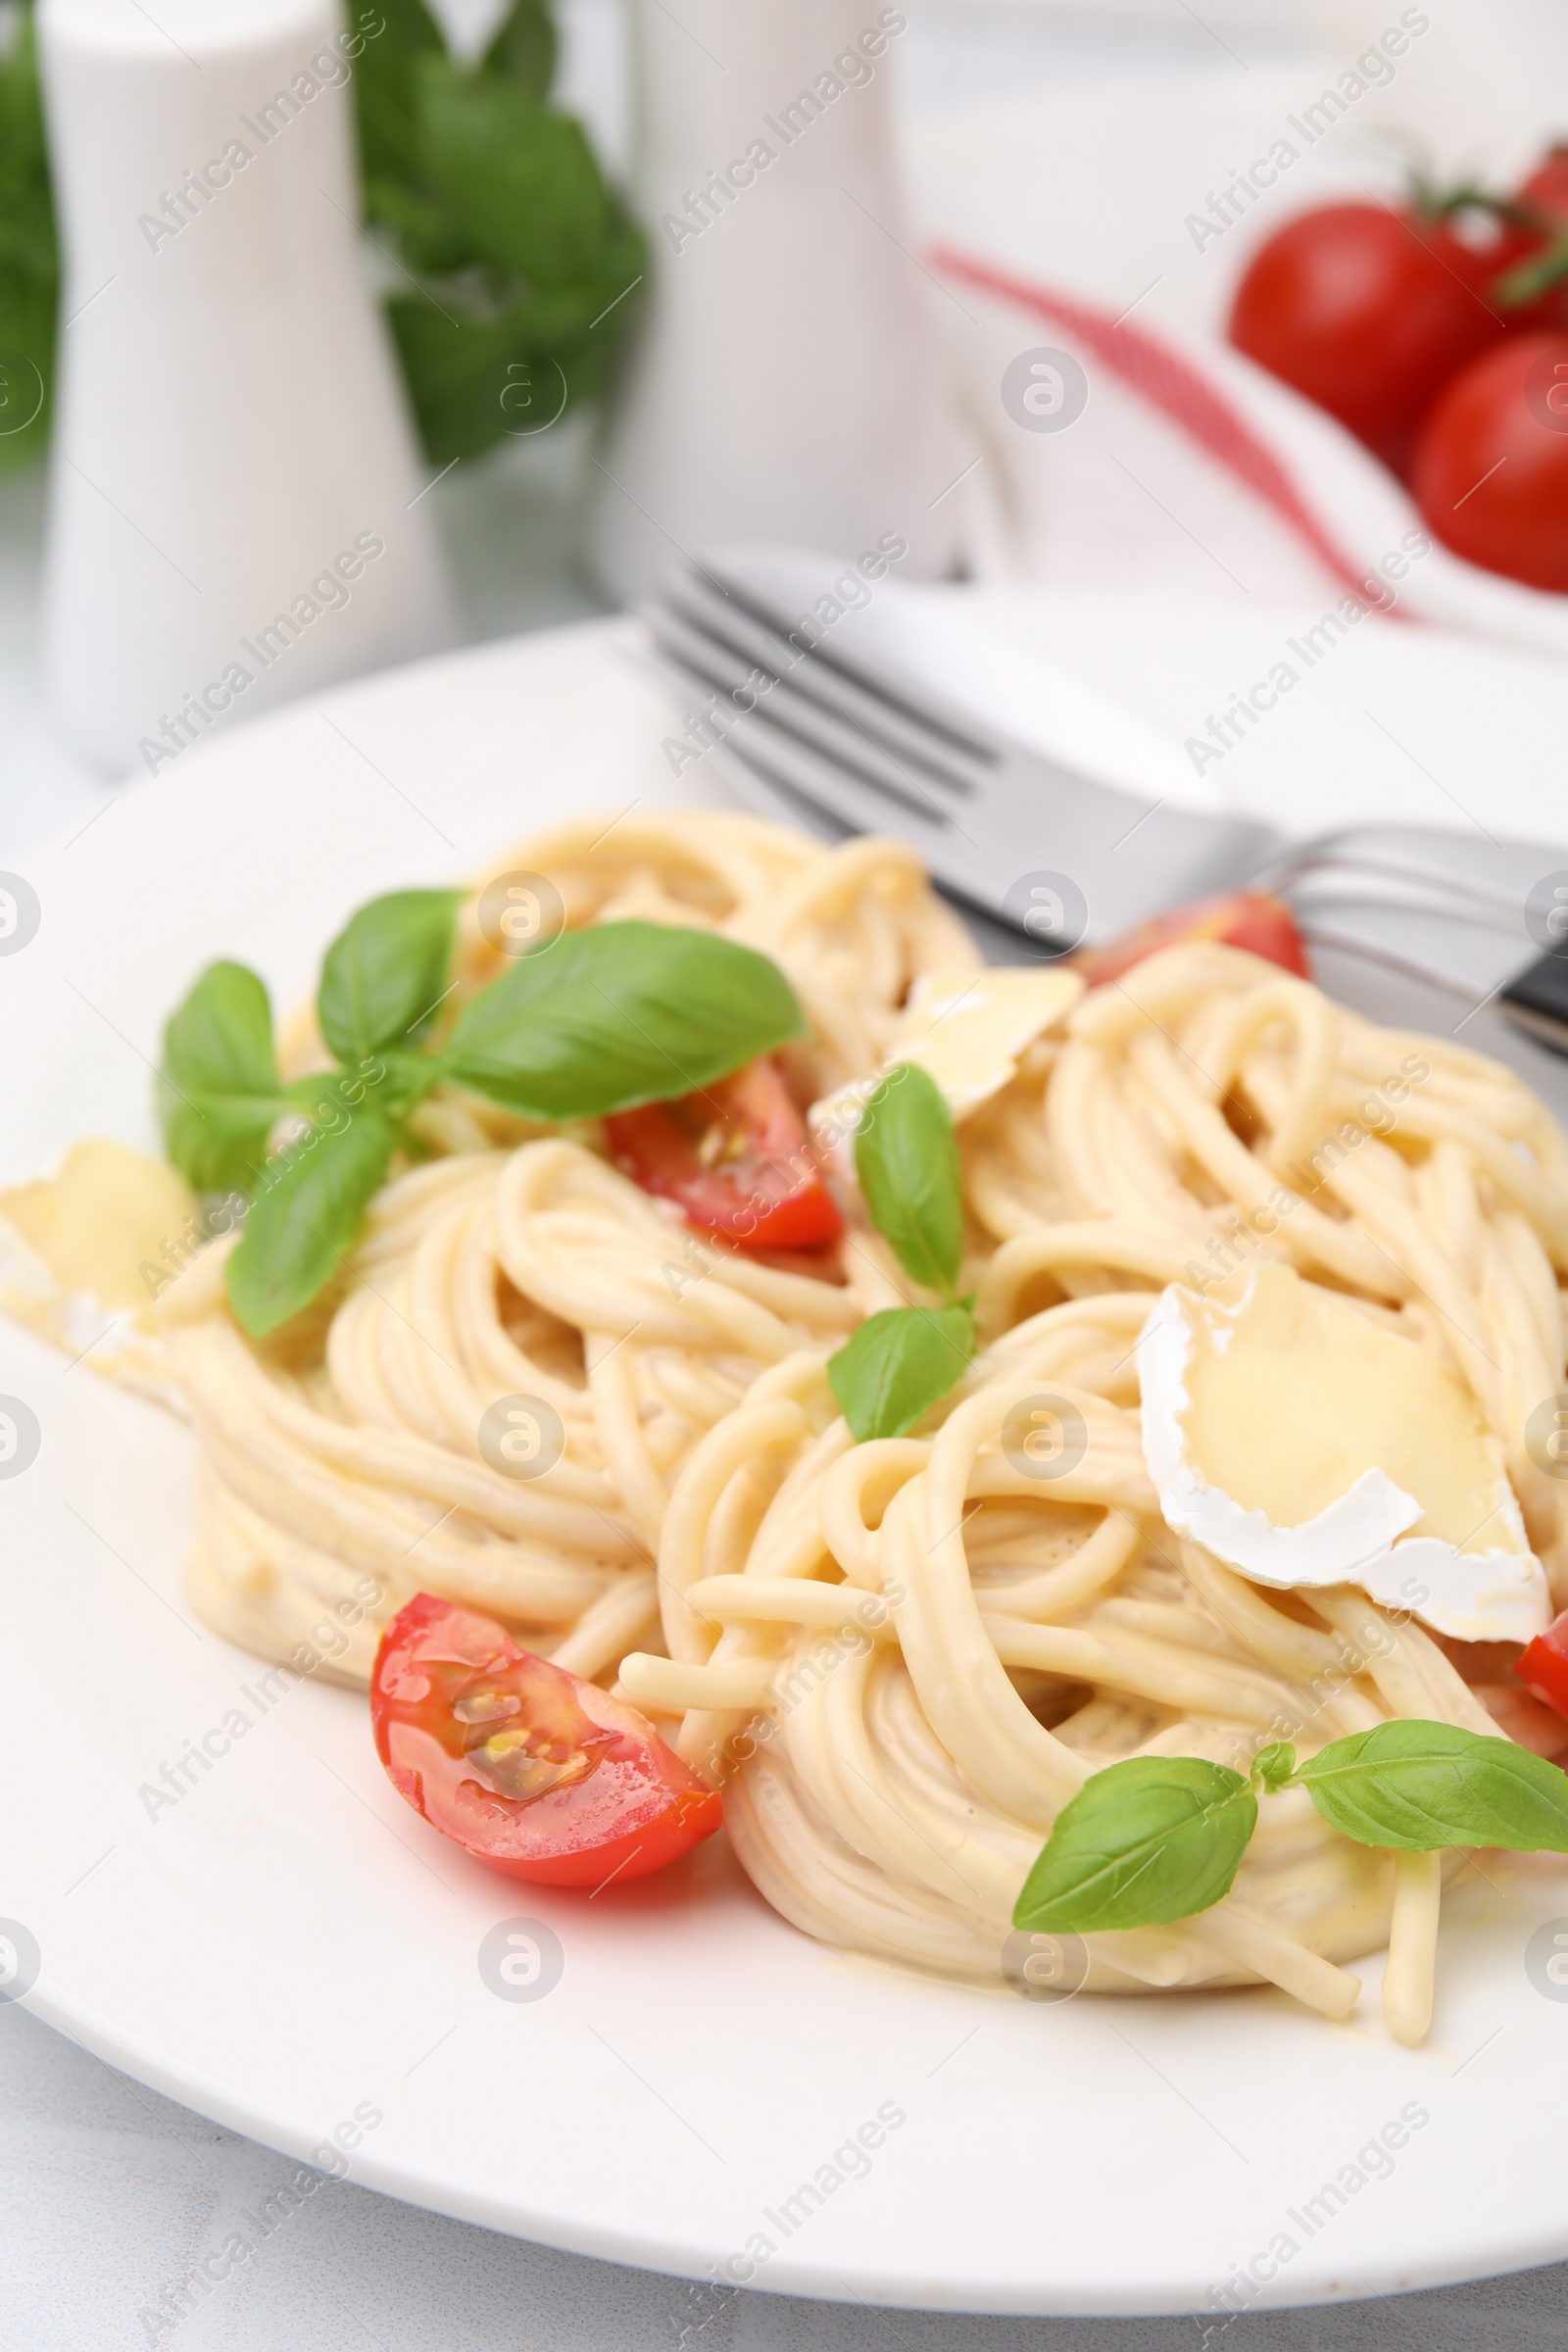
(235, 496)
(787, 379)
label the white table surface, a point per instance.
(108, 2192)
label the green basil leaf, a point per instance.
(29, 263)
(524, 48)
(1148, 1840)
(386, 971)
(482, 363)
(308, 1208)
(1420, 1785)
(511, 241)
(519, 177)
(220, 1041)
(27, 333)
(620, 1014)
(906, 1160)
(219, 1093)
(383, 86)
(897, 1365)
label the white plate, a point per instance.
(289, 1942)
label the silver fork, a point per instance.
(848, 738)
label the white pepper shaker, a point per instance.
(786, 380)
(235, 497)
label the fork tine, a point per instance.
(911, 740)
(785, 761)
(925, 716)
(858, 749)
(779, 713)
(1340, 862)
(762, 791)
(788, 763)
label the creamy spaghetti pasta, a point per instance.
(539, 1272)
(902, 1658)
(905, 1761)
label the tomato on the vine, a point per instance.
(1533, 294)
(1367, 309)
(1491, 470)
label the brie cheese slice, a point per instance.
(1303, 1444)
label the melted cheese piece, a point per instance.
(966, 1029)
(1302, 1443)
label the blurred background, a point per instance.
(1073, 144)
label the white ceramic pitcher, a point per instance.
(787, 380)
(235, 500)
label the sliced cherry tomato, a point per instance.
(533, 1771)
(1543, 1667)
(736, 1158)
(1490, 472)
(1240, 919)
(1368, 309)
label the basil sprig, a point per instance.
(596, 1021)
(902, 1361)
(1157, 1838)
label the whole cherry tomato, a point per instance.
(1490, 468)
(1253, 920)
(1368, 309)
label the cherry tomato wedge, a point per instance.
(1543, 1667)
(535, 1772)
(735, 1157)
(1239, 919)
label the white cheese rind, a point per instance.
(1359, 1538)
(1471, 1596)
(1325, 1550)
